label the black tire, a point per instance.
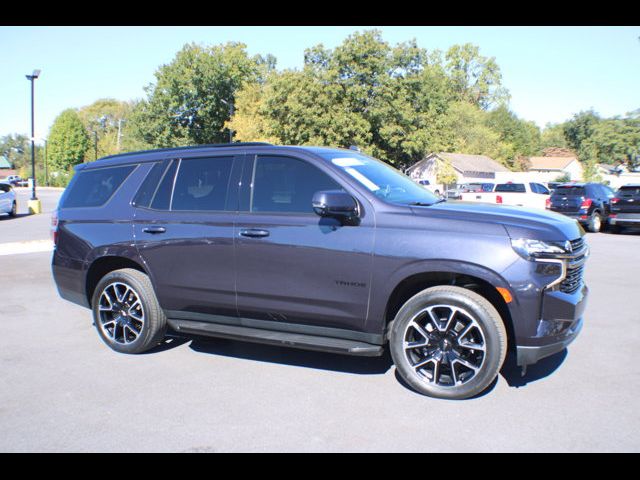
(488, 327)
(150, 331)
(595, 222)
(14, 210)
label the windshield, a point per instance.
(383, 180)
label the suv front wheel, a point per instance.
(448, 342)
(126, 312)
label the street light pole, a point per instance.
(34, 203)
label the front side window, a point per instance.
(285, 184)
(93, 188)
(202, 184)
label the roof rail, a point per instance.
(189, 147)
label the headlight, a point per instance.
(530, 249)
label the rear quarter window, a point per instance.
(94, 188)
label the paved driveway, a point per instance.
(61, 389)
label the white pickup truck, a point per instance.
(523, 194)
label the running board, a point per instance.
(282, 339)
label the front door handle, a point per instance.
(154, 230)
(254, 233)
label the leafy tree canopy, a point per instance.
(68, 141)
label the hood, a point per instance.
(519, 222)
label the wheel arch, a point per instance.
(478, 279)
(103, 265)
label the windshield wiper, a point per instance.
(424, 204)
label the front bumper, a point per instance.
(528, 355)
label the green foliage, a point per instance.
(446, 174)
(17, 149)
(553, 136)
(186, 105)
(476, 79)
(564, 178)
(68, 141)
(104, 117)
(392, 101)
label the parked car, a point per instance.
(525, 194)
(456, 192)
(625, 208)
(427, 184)
(8, 202)
(12, 180)
(588, 203)
(316, 248)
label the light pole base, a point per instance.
(35, 206)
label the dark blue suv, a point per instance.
(317, 248)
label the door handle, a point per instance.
(154, 230)
(254, 233)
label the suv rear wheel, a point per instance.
(595, 222)
(126, 312)
(448, 342)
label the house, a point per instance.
(468, 168)
(551, 168)
(5, 167)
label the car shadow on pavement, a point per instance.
(8, 217)
(281, 355)
(512, 373)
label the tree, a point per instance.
(553, 136)
(17, 149)
(68, 141)
(192, 97)
(580, 128)
(388, 100)
(107, 118)
(466, 131)
(476, 79)
(522, 136)
(446, 174)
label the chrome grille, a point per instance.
(577, 244)
(573, 280)
(575, 268)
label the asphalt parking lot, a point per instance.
(62, 389)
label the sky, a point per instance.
(551, 72)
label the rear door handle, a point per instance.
(154, 230)
(254, 233)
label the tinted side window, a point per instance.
(284, 184)
(149, 186)
(94, 188)
(162, 195)
(202, 184)
(4, 188)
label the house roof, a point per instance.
(472, 163)
(461, 162)
(4, 163)
(550, 163)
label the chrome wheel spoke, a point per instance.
(121, 313)
(417, 344)
(444, 345)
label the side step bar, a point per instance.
(282, 339)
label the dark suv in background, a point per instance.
(625, 208)
(588, 203)
(317, 248)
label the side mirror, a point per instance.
(334, 203)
